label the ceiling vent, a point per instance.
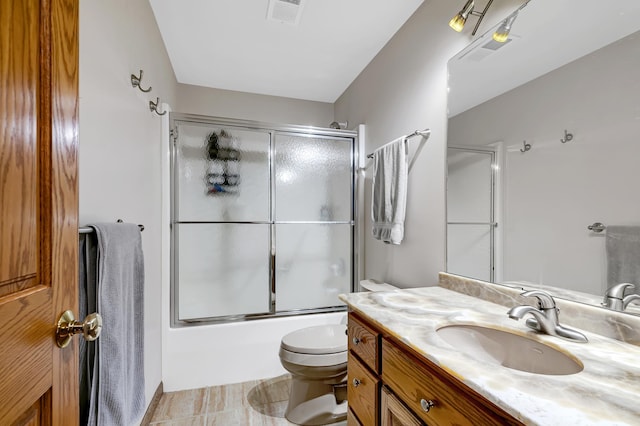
(480, 51)
(495, 45)
(285, 11)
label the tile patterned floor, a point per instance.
(254, 403)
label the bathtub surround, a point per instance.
(230, 353)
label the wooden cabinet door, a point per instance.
(38, 209)
(394, 413)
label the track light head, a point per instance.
(502, 33)
(458, 21)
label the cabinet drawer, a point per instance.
(363, 341)
(416, 385)
(362, 391)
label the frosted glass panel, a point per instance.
(223, 269)
(313, 179)
(313, 265)
(469, 250)
(468, 186)
(222, 174)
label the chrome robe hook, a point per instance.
(153, 106)
(135, 82)
(567, 137)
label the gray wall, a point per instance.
(403, 89)
(120, 138)
(249, 106)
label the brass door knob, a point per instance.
(68, 327)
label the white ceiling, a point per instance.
(230, 44)
(546, 35)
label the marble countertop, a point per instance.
(605, 392)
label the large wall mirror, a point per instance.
(543, 143)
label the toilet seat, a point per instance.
(313, 360)
(317, 340)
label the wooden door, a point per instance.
(38, 209)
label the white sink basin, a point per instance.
(509, 350)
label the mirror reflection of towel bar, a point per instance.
(597, 227)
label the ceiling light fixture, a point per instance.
(458, 21)
(502, 33)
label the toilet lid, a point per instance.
(321, 339)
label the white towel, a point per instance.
(389, 191)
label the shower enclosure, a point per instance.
(471, 215)
(262, 219)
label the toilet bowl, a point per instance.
(316, 357)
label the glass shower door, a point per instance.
(262, 220)
(470, 213)
(222, 220)
(313, 221)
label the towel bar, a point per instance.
(89, 230)
(597, 227)
(424, 133)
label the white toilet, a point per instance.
(316, 357)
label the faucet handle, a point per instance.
(617, 290)
(545, 300)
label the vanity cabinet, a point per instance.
(363, 387)
(391, 385)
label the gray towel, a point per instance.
(118, 383)
(623, 255)
(87, 258)
(389, 191)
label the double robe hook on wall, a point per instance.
(136, 82)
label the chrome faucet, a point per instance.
(545, 316)
(615, 299)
